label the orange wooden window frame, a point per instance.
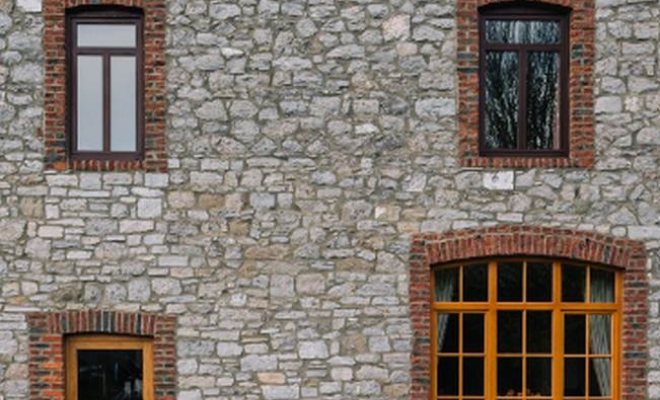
(557, 307)
(108, 342)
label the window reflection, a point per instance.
(109, 375)
(501, 104)
(523, 32)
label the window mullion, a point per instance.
(558, 337)
(106, 102)
(522, 99)
(491, 337)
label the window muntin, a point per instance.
(105, 85)
(105, 367)
(543, 340)
(524, 82)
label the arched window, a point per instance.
(525, 329)
(524, 64)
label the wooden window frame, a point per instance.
(108, 342)
(540, 12)
(104, 16)
(558, 308)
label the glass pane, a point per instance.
(89, 112)
(475, 282)
(519, 32)
(448, 333)
(446, 284)
(473, 376)
(574, 334)
(573, 280)
(539, 282)
(543, 100)
(473, 333)
(539, 332)
(539, 377)
(447, 376)
(109, 374)
(509, 282)
(501, 105)
(600, 377)
(107, 35)
(600, 334)
(123, 104)
(509, 376)
(574, 379)
(509, 331)
(602, 286)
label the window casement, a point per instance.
(525, 329)
(524, 74)
(105, 85)
(109, 367)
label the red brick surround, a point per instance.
(55, 126)
(509, 240)
(581, 124)
(46, 346)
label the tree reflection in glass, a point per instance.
(522, 84)
(501, 99)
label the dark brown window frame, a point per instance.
(114, 15)
(535, 12)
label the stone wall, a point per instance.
(307, 142)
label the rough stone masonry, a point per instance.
(306, 142)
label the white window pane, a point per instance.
(123, 106)
(106, 35)
(90, 103)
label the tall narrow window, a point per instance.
(105, 85)
(524, 81)
(105, 367)
(526, 329)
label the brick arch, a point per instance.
(47, 332)
(514, 240)
(55, 97)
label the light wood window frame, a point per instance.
(108, 342)
(559, 310)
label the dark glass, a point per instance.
(448, 333)
(574, 379)
(574, 334)
(600, 377)
(600, 334)
(509, 331)
(475, 282)
(573, 283)
(543, 100)
(110, 375)
(509, 376)
(447, 376)
(509, 282)
(523, 32)
(539, 332)
(501, 102)
(446, 284)
(602, 286)
(539, 282)
(473, 333)
(539, 377)
(473, 376)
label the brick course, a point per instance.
(581, 122)
(55, 96)
(514, 240)
(46, 347)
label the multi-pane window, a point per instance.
(525, 329)
(101, 367)
(524, 81)
(105, 85)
